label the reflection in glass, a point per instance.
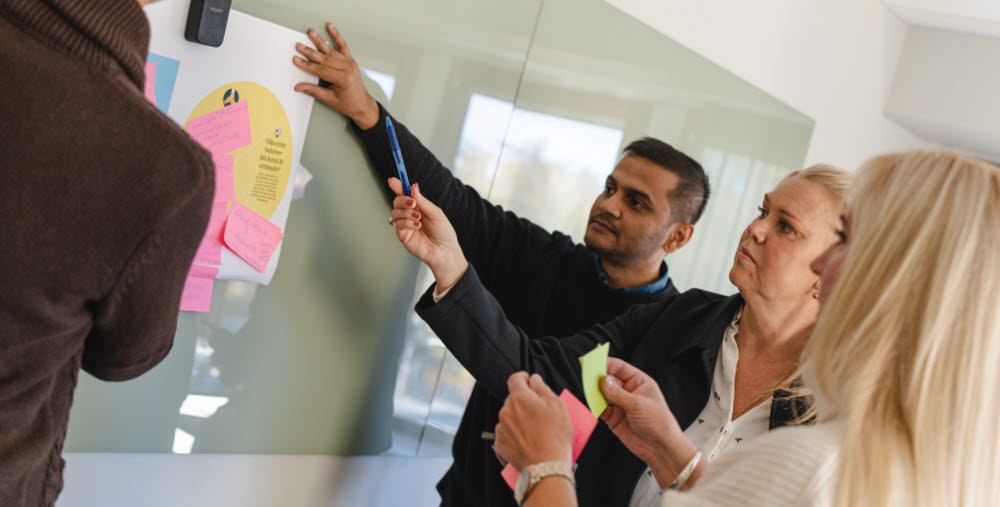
(385, 81)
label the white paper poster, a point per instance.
(238, 101)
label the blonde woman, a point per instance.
(904, 363)
(719, 360)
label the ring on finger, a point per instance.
(391, 221)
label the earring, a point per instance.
(816, 295)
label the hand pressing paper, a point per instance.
(583, 426)
(251, 236)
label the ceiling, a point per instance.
(944, 89)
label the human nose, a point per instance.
(819, 263)
(610, 205)
(757, 230)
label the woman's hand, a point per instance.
(534, 424)
(639, 416)
(425, 232)
(346, 93)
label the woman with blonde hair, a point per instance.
(903, 361)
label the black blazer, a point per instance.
(676, 341)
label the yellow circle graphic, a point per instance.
(262, 169)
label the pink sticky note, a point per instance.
(222, 130)
(224, 185)
(150, 87)
(197, 294)
(251, 236)
(210, 249)
(201, 271)
(510, 476)
(584, 423)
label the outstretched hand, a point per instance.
(334, 64)
(426, 232)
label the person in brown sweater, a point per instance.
(103, 202)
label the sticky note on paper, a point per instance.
(251, 236)
(166, 77)
(197, 294)
(222, 130)
(583, 427)
(225, 189)
(210, 249)
(593, 366)
(150, 83)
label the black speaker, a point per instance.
(206, 23)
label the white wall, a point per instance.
(834, 60)
(945, 89)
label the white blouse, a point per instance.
(715, 432)
(793, 466)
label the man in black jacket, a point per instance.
(546, 283)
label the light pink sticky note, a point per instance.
(251, 236)
(197, 294)
(222, 130)
(201, 271)
(225, 190)
(510, 476)
(210, 249)
(584, 423)
(150, 87)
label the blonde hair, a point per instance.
(907, 350)
(833, 179)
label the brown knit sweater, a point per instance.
(103, 201)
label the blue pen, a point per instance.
(398, 155)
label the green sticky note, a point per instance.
(594, 365)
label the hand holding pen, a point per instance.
(425, 232)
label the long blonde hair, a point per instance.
(907, 350)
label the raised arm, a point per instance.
(474, 327)
(488, 234)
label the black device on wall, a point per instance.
(206, 22)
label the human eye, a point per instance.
(785, 227)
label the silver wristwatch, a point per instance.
(532, 474)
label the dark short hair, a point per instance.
(688, 200)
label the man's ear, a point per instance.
(678, 236)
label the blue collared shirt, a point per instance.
(650, 288)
